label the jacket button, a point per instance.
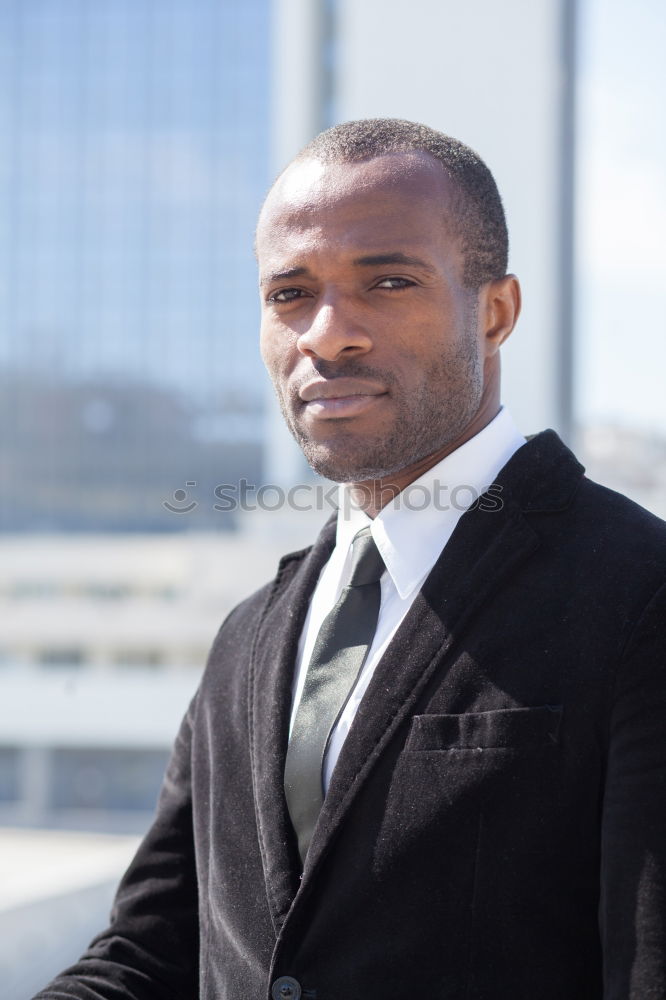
(286, 988)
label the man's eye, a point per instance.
(394, 283)
(286, 295)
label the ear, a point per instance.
(499, 308)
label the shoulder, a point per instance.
(549, 484)
(268, 607)
(622, 544)
(241, 622)
(619, 520)
(229, 660)
(594, 543)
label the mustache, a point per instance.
(330, 370)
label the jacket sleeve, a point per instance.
(633, 845)
(150, 950)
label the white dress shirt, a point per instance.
(410, 533)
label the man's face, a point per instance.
(367, 332)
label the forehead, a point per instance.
(394, 201)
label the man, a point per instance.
(429, 759)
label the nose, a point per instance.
(334, 332)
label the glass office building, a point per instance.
(135, 142)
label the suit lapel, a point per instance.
(271, 676)
(483, 550)
(486, 547)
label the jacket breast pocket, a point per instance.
(499, 729)
(458, 775)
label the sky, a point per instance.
(621, 214)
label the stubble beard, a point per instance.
(433, 416)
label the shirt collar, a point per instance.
(411, 530)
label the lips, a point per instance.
(341, 397)
(343, 387)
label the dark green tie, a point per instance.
(339, 653)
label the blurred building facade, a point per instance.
(141, 136)
(102, 643)
(136, 155)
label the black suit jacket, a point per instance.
(495, 827)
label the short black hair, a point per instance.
(478, 215)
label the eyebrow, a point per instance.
(381, 259)
(370, 260)
(292, 272)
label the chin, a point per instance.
(342, 466)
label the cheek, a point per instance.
(278, 355)
(269, 346)
(416, 348)
(264, 350)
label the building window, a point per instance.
(138, 658)
(9, 775)
(62, 657)
(106, 779)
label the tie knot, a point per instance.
(367, 564)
